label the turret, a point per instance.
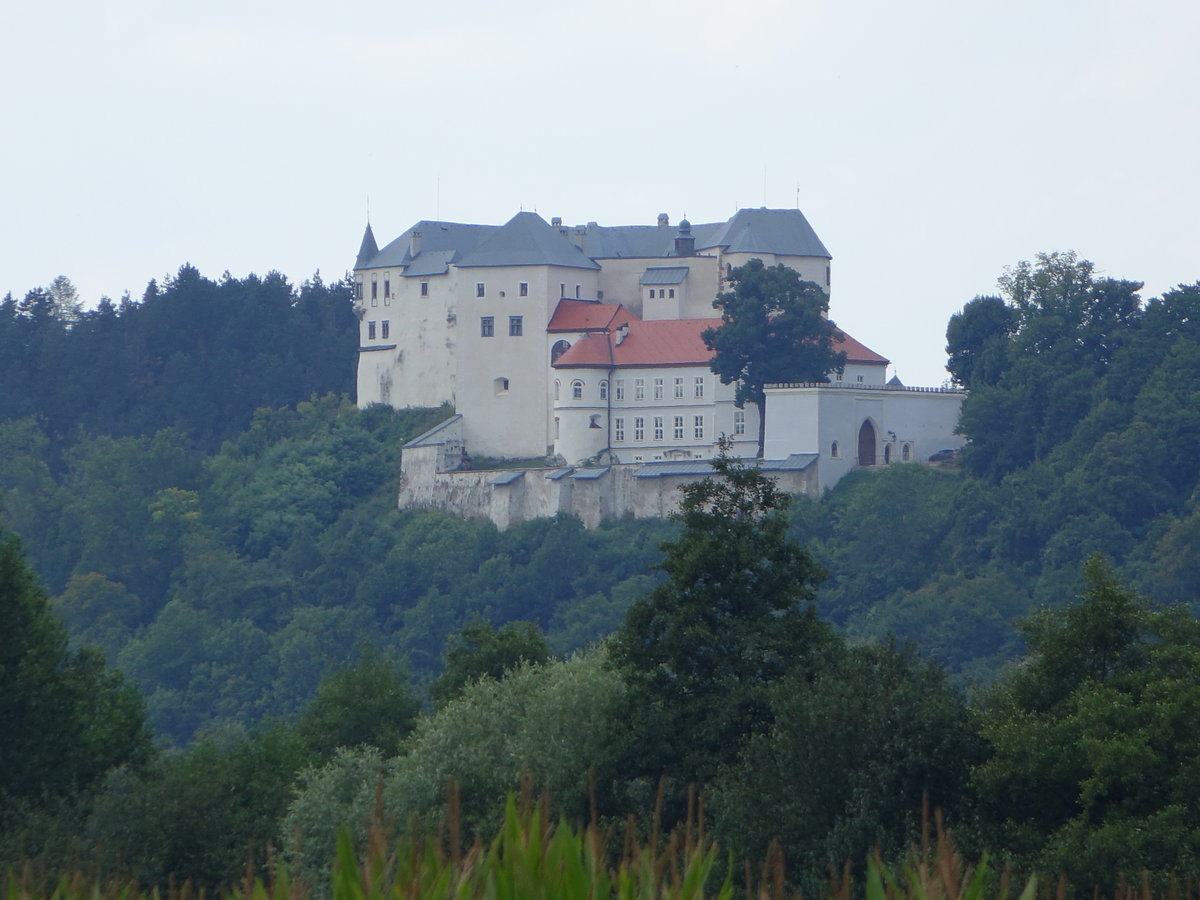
(685, 244)
(367, 250)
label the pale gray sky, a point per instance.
(929, 143)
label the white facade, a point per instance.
(851, 426)
(582, 345)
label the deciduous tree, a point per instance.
(773, 329)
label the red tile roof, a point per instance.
(856, 352)
(669, 342)
(674, 342)
(585, 315)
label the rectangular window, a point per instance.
(370, 331)
(658, 428)
(679, 428)
(860, 378)
(424, 288)
(639, 428)
(698, 428)
(739, 421)
(658, 388)
(639, 389)
(672, 294)
(487, 326)
(514, 326)
(562, 289)
(480, 289)
(358, 290)
(678, 388)
(523, 288)
(387, 288)
(384, 328)
(699, 393)
(374, 289)
(618, 429)
(619, 392)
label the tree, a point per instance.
(368, 703)
(65, 720)
(977, 341)
(1094, 740)
(734, 616)
(845, 766)
(773, 329)
(481, 651)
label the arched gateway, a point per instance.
(866, 444)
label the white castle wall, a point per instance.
(428, 480)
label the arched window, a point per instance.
(557, 388)
(906, 452)
(576, 389)
(833, 450)
(500, 385)
(603, 390)
(559, 348)
(887, 453)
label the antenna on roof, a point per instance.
(368, 207)
(797, 194)
(764, 186)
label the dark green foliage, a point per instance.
(977, 342)
(480, 651)
(1094, 740)
(370, 702)
(734, 616)
(773, 329)
(852, 752)
(195, 355)
(65, 719)
(200, 815)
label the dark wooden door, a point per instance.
(866, 444)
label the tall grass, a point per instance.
(533, 858)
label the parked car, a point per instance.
(944, 455)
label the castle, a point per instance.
(582, 344)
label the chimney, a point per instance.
(663, 220)
(622, 333)
(414, 243)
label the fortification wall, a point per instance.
(428, 480)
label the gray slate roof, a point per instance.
(368, 249)
(527, 239)
(664, 274)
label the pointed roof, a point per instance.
(585, 315)
(527, 240)
(367, 249)
(440, 244)
(783, 232)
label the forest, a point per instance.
(246, 643)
